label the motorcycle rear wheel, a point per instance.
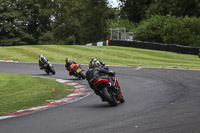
(82, 75)
(47, 72)
(108, 97)
(122, 100)
(52, 70)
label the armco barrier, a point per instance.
(157, 46)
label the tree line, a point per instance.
(25, 22)
(163, 21)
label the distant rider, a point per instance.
(42, 61)
(96, 70)
(69, 65)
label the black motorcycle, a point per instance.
(48, 68)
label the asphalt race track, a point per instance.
(157, 101)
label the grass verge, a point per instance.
(111, 55)
(21, 92)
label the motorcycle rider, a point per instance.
(68, 64)
(96, 70)
(102, 64)
(42, 61)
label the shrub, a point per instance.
(170, 30)
(47, 38)
(70, 40)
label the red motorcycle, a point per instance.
(77, 71)
(110, 93)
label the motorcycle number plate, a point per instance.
(78, 70)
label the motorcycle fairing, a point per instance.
(72, 66)
(97, 82)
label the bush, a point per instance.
(19, 38)
(170, 30)
(47, 38)
(70, 40)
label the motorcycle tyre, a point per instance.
(122, 100)
(82, 75)
(109, 98)
(52, 70)
(47, 72)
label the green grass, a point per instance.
(111, 55)
(21, 92)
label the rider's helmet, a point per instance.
(67, 60)
(94, 64)
(40, 55)
(93, 59)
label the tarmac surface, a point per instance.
(157, 101)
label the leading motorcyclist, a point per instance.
(42, 61)
(97, 70)
(102, 64)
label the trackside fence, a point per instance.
(157, 46)
(104, 43)
(150, 45)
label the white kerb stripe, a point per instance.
(4, 117)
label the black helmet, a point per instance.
(67, 59)
(94, 64)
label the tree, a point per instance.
(67, 15)
(134, 10)
(94, 21)
(174, 7)
(61, 21)
(23, 21)
(170, 29)
(13, 29)
(38, 16)
(137, 10)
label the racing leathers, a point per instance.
(69, 66)
(42, 61)
(99, 72)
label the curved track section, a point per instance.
(157, 101)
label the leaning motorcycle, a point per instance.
(77, 71)
(110, 93)
(48, 68)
